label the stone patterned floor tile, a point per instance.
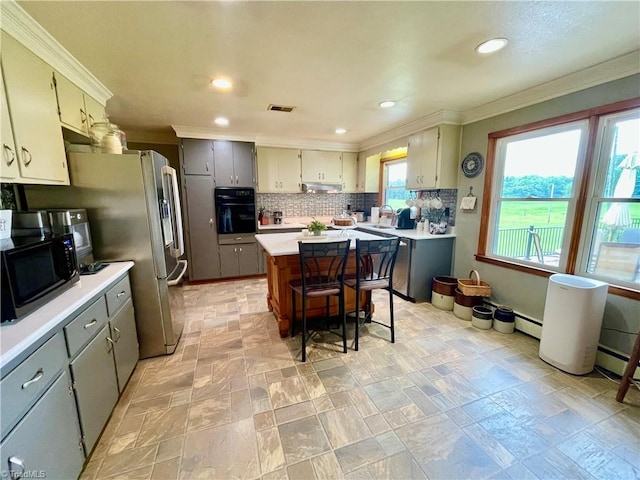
(444, 401)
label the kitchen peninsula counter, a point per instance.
(283, 265)
(20, 338)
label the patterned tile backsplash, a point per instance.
(310, 205)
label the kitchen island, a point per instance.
(283, 265)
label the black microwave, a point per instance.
(33, 271)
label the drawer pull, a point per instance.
(39, 374)
(118, 332)
(18, 463)
(110, 345)
(91, 323)
(120, 294)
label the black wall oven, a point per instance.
(235, 210)
(34, 270)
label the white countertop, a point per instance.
(17, 337)
(277, 244)
(412, 234)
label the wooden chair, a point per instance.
(376, 260)
(627, 377)
(322, 267)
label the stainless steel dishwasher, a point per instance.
(402, 269)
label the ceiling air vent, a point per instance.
(280, 108)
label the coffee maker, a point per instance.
(76, 222)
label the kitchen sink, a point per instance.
(382, 227)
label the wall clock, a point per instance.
(472, 164)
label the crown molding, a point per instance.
(432, 120)
(608, 71)
(183, 131)
(21, 26)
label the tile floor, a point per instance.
(446, 401)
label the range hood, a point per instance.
(321, 187)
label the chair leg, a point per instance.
(357, 325)
(625, 381)
(304, 328)
(393, 337)
(292, 327)
(343, 316)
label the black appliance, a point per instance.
(235, 209)
(406, 219)
(33, 271)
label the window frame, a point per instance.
(399, 158)
(584, 187)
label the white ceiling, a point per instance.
(333, 61)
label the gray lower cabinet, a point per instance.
(429, 258)
(204, 261)
(239, 260)
(45, 444)
(125, 339)
(95, 385)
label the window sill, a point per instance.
(541, 272)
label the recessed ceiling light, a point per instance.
(491, 46)
(387, 104)
(223, 122)
(340, 131)
(221, 83)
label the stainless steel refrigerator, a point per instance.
(133, 204)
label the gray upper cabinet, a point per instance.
(204, 261)
(196, 156)
(47, 438)
(96, 386)
(233, 163)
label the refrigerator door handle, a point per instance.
(178, 249)
(175, 281)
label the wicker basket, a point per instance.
(474, 287)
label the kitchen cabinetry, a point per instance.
(95, 385)
(9, 170)
(239, 256)
(34, 116)
(368, 173)
(196, 156)
(279, 170)
(321, 166)
(432, 158)
(349, 172)
(202, 240)
(77, 110)
(47, 439)
(233, 163)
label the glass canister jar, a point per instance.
(105, 138)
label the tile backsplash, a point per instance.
(325, 204)
(319, 204)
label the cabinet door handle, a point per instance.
(18, 463)
(83, 116)
(211, 222)
(91, 121)
(206, 166)
(276, 184)
(240, 249)
(26, 152)
(117, 330)
(9, 155)
(91, 323)
(110, 345)
(237, 180)
(121, 294)
(39, 374)
(238, 238)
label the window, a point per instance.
(564, 196)
(394, 190)
(534, 200)
(614, 210)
